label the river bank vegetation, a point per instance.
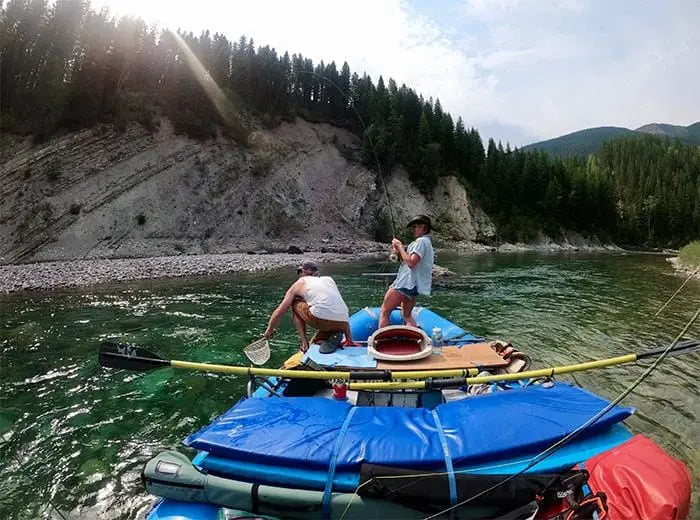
(67, 67)
(689, 255)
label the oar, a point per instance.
(682, 347)
(139, 359)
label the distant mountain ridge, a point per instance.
(584, 142)
(689, 134)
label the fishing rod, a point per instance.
(139, 359)
(349, 101)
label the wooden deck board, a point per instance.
(467, 356)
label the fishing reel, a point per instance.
(394, 255)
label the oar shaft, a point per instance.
(682, 347)
(114, 355)
(389, 385)
(530, 374)
(267, 372)
(415, 374)
(314, 374)
(422, 374)
(566, 369)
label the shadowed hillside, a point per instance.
(582, 142)
(589, 141)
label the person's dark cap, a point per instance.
(421, 219)
(308, 265)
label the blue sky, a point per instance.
(517, 70)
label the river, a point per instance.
(74, 436)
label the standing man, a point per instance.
(315, 301)
(415, 274)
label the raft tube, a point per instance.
(171, 475)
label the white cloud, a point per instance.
(527, 68)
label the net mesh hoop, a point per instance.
(258, 351)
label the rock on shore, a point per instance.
(682, 268)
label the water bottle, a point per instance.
(437, 341)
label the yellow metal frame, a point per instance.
(398, 377)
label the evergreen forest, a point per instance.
(65, 66)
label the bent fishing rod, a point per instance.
(135, 358)
(349, 103)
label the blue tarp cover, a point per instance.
(302, 431)
(348, 357)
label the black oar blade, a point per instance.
(129, 357)
(682, 347)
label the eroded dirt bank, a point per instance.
(100, 193)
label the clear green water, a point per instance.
(76, 436)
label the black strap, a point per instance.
(370, 375)
(255, 499)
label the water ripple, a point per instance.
(77, 436)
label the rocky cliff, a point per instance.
(100, 193)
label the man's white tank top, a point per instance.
(324, 299)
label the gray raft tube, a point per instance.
(171, 475)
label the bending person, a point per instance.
(315, 301)
(415, 273)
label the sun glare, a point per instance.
(164, 14)
(217, 97)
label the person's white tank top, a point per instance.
(324, 299)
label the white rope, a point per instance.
(675, 293)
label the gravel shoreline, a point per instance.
(45, 276)
(66, 274)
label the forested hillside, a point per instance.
(638, 190)
(590, 140)
(580, 143)
(66, 67)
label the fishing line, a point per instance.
(228, 113)
(350, 104)
(677, 291)
(554, 447)
(19, 463)
(380, 284)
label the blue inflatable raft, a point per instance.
(290, 452)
